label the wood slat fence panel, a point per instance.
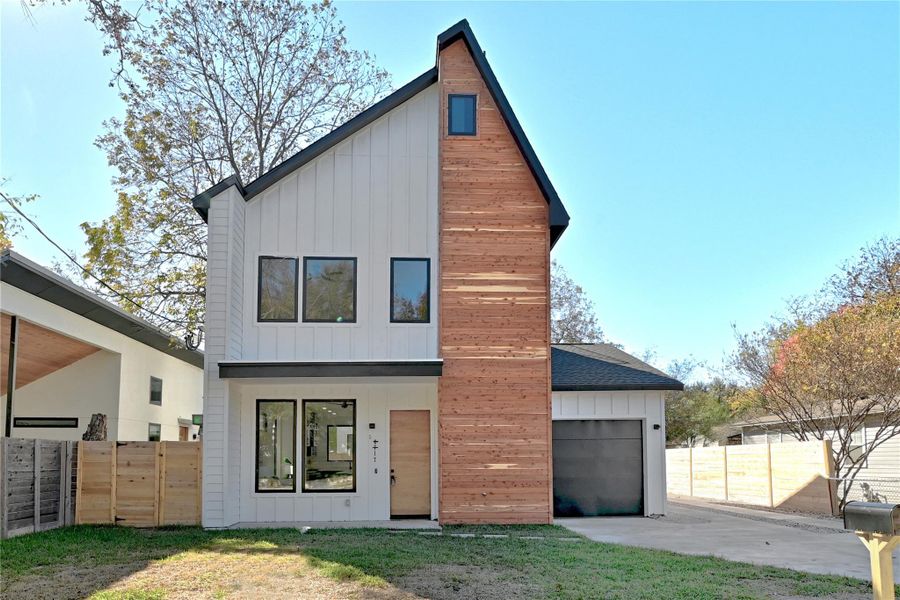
(35, 485)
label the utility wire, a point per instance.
(83, 269)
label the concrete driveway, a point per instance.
(816, 545)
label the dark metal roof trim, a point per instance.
(559, 218)
(320, 146)
(18, 271)
(619, 388)
(253, 370)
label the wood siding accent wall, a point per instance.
(494, 395)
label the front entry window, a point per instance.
(275, 445)
(329, 440)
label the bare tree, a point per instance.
(211, 88)
(572, 318)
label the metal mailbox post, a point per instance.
(878, 527)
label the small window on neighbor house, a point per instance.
(277, 289)
(156, 391)
(461, 114)
(410, 289)
(329, 290)
(153, 432)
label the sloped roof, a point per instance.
(559, 218)
(30, 277)
(604, 367)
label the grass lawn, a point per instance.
(121, 563)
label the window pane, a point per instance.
(275, 446)
(461, 115)
(153, 432)
(156, 391)
(409, 296)
(330, 453)
(330, 290)
(277, 289)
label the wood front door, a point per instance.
(410, 463)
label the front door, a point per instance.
(410, 463)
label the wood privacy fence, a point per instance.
(37, 491)
(138, 484)
(789, 475)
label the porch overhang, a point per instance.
(378, 368)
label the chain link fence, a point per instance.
(870, 489)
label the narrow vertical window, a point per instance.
(329, 290)
(276, 432)
(329, 445)
(154, 432)
(156, 391)
(410, 290)
(461, 114)
(277, 289)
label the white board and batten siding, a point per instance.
(374, 398)
(374, 196)
(646, 406)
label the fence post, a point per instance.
(725, 464)
(769, 473)
(66, 483)
(112, 484)
(4, 509)
(691, 470)
(161, 484)
(37, 486)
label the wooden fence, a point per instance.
(790, 475)
(138, 484)
(37, 490)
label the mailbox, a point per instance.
(872, 517)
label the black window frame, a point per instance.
(427, 289)
(355, 462)
(159, 379)
(48, 422)
(474, 131)
(355, 261)
(259, 263)
(159, 427)
(256, 489)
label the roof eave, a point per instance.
(628, 387)
(200, 202)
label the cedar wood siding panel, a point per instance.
(494, 395)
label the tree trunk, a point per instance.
(96, 430)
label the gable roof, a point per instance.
(604, 367)
(559, 218)
(30, 277)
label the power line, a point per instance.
(83, 269)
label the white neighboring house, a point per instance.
(76, 354)
(881, 470)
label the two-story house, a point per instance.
(377, 324)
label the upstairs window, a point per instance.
(410, 290)
(461, 114)
(277, 289)
(153, 432)
(329, 290)
(156, 391)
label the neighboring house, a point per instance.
(880, 471)
(75, 354)
(377, 324)
(609, 432)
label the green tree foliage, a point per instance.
(211, 88)
(10, 219)
(572, 316)
(698, 413)
(833, 365)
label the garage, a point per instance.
(598, 468)
(608, 432)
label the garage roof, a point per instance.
(604, 367)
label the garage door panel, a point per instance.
(598, 468)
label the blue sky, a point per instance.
(716, 158)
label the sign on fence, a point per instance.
(36, 492)
(139, 484)
(791, 475)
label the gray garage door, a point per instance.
(598, 468)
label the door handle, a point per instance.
(393, 479)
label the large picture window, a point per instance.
(410, 290)
(276, 432)
(329, 290)
(329, 446)
(277, 289)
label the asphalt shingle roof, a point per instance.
(588, 367)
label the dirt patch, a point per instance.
(468, 582)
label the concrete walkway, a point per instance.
(803, 543)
